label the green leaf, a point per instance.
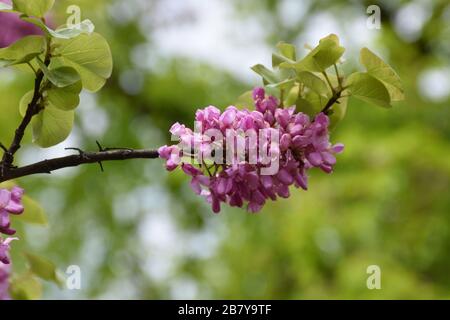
(245, 100)
(339, 111)
(268, 75)
(367, 88)
(313, 82)
(311, 104)
(377, 68)
(24, 102)
(51, 126)
(67, 98)
(63, 32)
(278, 59)
(25, 287)
(89, 55)
(61, 76)
(33, 212)
(287, 50)
(327, 53)
(283, 85)
(25, 68)
(23, 50)
(292, 96)
(37, 8)
(43, 268)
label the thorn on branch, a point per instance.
(100, 149)
(101, 166)
(81, 152)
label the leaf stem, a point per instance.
(32, 68)
(337, 75)
(328, 81)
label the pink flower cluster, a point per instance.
(302, 144)
(10, 203)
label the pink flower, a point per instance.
(4, 250)
(10, 203)
(5, 270)
(13, 28)
(172, 155)
(302, 144)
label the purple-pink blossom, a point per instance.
(5, 270)
(13, 28)
(5, 267)
(243, 179)
(10, 203)
(4, 250)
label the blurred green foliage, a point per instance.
(138, 232)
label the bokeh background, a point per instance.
(139, 232)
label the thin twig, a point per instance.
(32, 109)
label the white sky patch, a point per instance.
(410, 19)
(434, 84)
(212, 34)
(183, 288)
(131, 81)
(293, 11)
(32, 153)
(94, 120)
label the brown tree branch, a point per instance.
(32, 109)
(334, 99)
(47, 166)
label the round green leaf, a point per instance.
(37, 8)
(89, 55)
(245, 100)
(287, 50)
(268, 75)
(60, 76)
(24, 102)
(367, 88)
(67, 98)
(291, 96)
(23, 50)
(311, 104)
(43, 268)
(313, 82)
(327, 53)
(377, 68)
(51, 126)
(339, 111)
